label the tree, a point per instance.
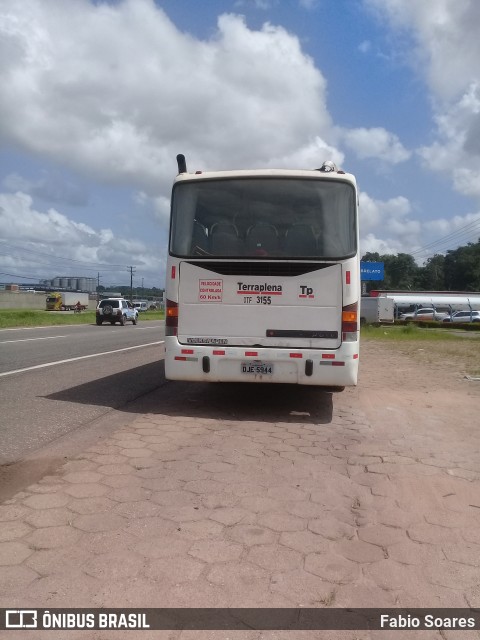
(432, 275)
(462, 268)
(459, 270)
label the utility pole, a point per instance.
(132, 271)
(98, 285)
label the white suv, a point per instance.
(116, 310)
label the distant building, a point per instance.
(75, 283)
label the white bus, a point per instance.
(263, 277)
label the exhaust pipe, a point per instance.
(182, 165)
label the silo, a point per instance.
(56, 282)
(82, 284)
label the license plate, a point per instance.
(257, 368)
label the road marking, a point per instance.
(30, 339)
(64, 326)
(92, 355)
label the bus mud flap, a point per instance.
(206, 364)
(308, 367)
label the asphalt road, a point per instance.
(54, 380)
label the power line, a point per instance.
(15, 275)
(456, 235)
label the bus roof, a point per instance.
(266, 173)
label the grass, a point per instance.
(459, 351)
(14, 318)
(406, 332)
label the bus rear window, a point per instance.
(263, 217)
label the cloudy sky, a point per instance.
(97, 98)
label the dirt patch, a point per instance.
(458, 358)
(458, 354)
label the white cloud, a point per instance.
(385, 225)
(19, 219)
(459, 230)
(50, 237)
(116, 90)
(365, 46)
(310, 156)
(308, 4)
(456, 153)
(446, 54)
(371, 244)
(375, 143)
(446, 34)
(263, 5)
(375, 214)
(160, 206)
(49, 187)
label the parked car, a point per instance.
(116, 310)
(463, 316)
(423, 314)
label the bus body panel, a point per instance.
(244, 309)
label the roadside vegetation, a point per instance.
(456, 271)
(17, 318)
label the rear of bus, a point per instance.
(263, 278)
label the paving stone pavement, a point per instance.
(326, 509)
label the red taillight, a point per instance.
(350, 322)
(171, 318)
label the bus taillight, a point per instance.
(171, 318)
(350, 323)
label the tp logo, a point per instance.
(21, 619)
(306, 292)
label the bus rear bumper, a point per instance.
(239, 364)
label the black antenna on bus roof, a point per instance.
(181, 162)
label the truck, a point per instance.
(429, 313)
(67, 301)
(141, 305)
(377, 310)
